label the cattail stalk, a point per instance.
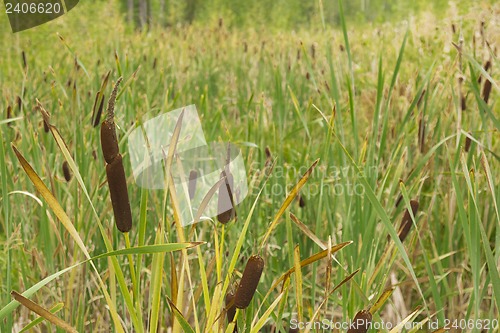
(249, 281)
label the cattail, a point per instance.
(298, 54)
(154, 63)
(453, 28)
(486, 91)
(193, 175)
(421, 134)
(46, 126)
(361, 322)
(249, 281)
(302, 202)
(245, 47)
(463, 103)
(341, 48)
(468, 141)
(66, 171)
(25, 63)
(115, 172)
(19, 102)
(487, 67)
(269, 156)
(221, 22)
(313, 51)
(9, 111)
(406, 223)
(421, 99)
(308, 76)
(230, 309)
(119, 194)
(225, 200)
(109, 141)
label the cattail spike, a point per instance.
(249, 281)
(486, 91)
(406, 222)
(66, 171)
(119, 194)
(468, 142)
(112, 99)
(361, 322)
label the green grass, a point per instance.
(354, 105)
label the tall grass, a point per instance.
(356, 103)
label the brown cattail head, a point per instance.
(66, 171)
(421, 99)
(302, 201)
(45, 126)
(25, 63)
(19, 102)
(406, 222)
(268, 153)
(487, 67)
(421, 134)
(193, 175)
(463, 101)
(225, 204)
(119, 194)
(468, 142)
(9, 111)
(486, 91)
(249, 281)
(109, 141)
(361, 322)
